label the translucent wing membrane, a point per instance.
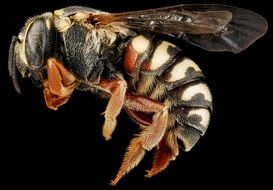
(176, 21)
(211, 27)
(244, 29)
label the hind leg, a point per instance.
(167, 151)
(147, 139)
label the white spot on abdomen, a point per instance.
(195, 89)
(161, 55)
(140, 44)
(203, 113)
(178, 72)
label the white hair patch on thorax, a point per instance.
(48, 25)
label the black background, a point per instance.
(44, 148)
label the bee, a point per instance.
(122, 57)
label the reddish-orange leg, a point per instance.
(150, 136)
(138, 106)
(116, 88)
(59, 85)
(119, 98)
(153, 128)
(166, 151)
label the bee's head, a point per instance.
(29, 50)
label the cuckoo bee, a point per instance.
(121, 57)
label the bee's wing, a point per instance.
(211, 27)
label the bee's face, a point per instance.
(33, 45)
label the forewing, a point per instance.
(211, 27)
(243, 30)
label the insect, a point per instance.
(121, 57)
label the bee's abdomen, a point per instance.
(158, 70)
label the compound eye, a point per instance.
(36, 43)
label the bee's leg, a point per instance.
(146, 140)
(138, 106)
(59, 85)
(167, 150)
(117, 89)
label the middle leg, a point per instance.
(117, 89)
